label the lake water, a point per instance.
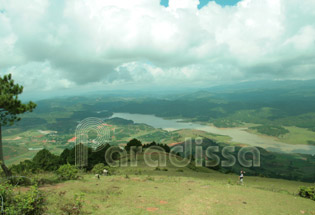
(239, 135)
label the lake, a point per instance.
(238, 135)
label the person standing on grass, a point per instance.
(242, 176)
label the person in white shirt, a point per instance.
(241, 176)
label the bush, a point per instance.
(307, 192)
(159, 169)
(73, 207)
(67, 172)
(24, 167)
(31, 202)
(20, 180)
(98, 169)
(45, 179)
(138, 172)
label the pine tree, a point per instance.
(10, 109)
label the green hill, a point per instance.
(172, 190)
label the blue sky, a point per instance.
(205, 2)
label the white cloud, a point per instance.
(109, 43)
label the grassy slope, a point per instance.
(146, 191)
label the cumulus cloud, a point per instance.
(59, 44)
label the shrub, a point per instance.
(138, 172)
(20, 180)
(73, 207)
(307, 192)
(111, 170)
(67, 172)
(24, 167)
(45, 179)
(98, 169)
(31, 202)
(180, 170)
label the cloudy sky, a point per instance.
(56, 45)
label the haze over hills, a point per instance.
(276, 117)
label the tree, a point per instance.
(135, 144)
(46, 161)
(10, 109)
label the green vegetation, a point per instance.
(41, 148)
(190, 191)
(163, 189)
(298, 136)
(307, 192)
(98, 168)
(46, 161)
(10, 109)
(311, 142)
(30, 202)
(269, 130)
(67, 172)
(134, 145)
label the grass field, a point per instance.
(143, 190)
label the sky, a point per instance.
(56, 46)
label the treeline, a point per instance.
(44, 160)
(297, 167)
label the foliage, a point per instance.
(157, 168)
(20, 180)
(45, 160)
(10, 105)
(67, 172)
(74, 207)
(311, 142)
(98, 168)
(275, 131)
(307, 192)
(165, 147)
(96, 157)
(67, 156)
(70, 206)
(31, 202)
(134, 143)
(10, 108)
(24, 167)
(47, 178)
